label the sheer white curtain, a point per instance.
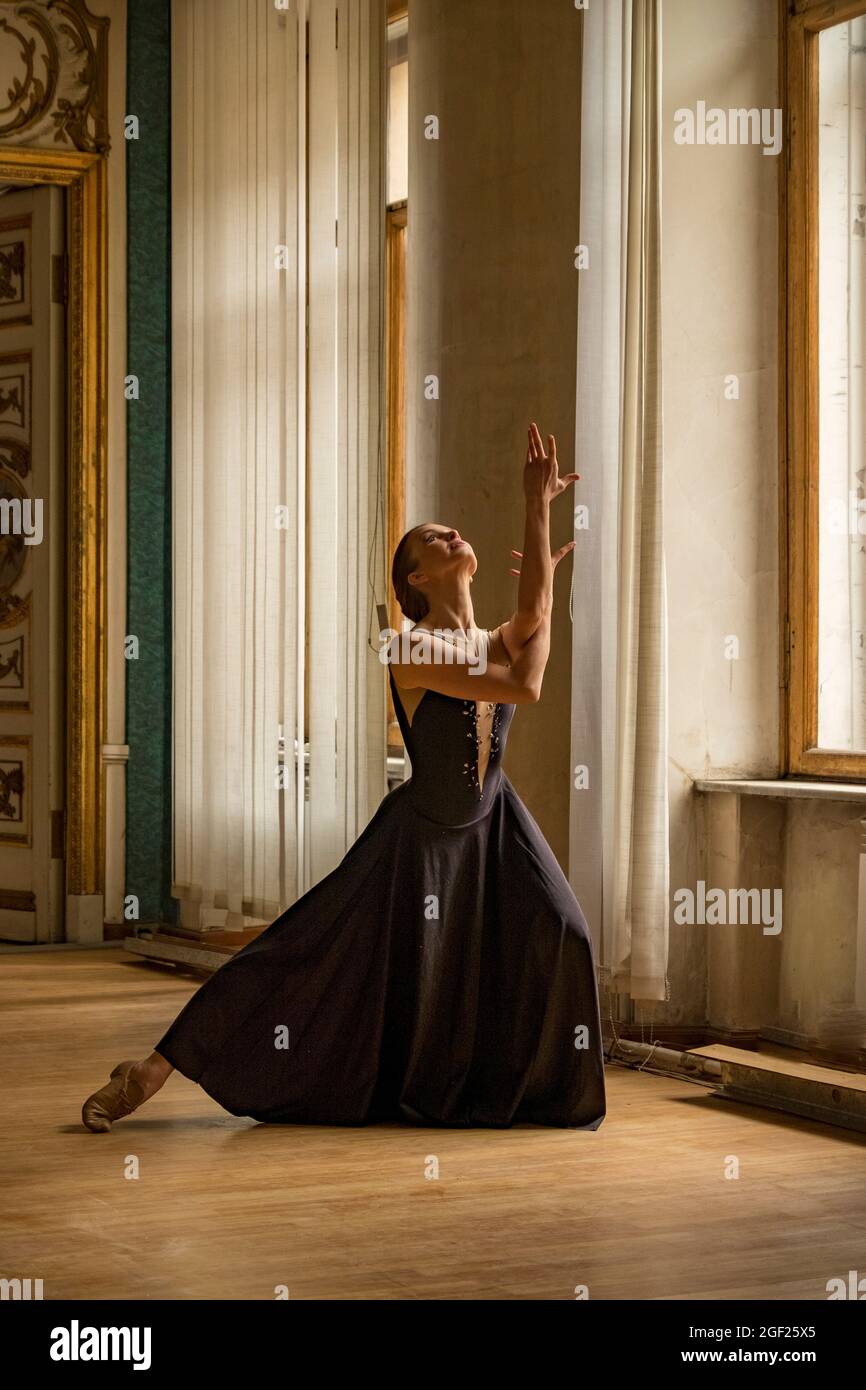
(346, 505)
(274, 505)
(619, 802)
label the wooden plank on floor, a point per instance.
(808, 1071)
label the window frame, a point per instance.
(802, 22)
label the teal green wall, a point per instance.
(148, 692)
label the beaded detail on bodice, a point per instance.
(483, 737)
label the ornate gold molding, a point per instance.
(85, 177)
(54, 61)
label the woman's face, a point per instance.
(439, 553)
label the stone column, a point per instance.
(492, 312)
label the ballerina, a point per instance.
(443, 972)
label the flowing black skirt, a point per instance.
(441, 974)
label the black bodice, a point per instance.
(442, 744)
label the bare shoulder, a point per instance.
(411, 652)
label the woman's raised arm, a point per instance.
(541, 484)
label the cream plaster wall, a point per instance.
(492, 311)
(720, 274)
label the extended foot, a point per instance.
(126, 1090)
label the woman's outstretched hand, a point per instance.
(541, 476)
(541, 484)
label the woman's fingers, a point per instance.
(536, 439)
(515, 572)
(518, 553)
(569, 477)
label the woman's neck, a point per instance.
(449, 618)
(451, 610)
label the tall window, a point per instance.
(825, 476)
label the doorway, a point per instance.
(52, 557)
(33, 279)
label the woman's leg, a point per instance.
(151, 1073)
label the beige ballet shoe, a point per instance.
(115, 1100)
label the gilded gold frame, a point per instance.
(84, 175)
(802, 23)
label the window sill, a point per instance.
(785, 789)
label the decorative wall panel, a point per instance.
(58, 51)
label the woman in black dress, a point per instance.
(443, 972)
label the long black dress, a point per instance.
(442, 974)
